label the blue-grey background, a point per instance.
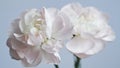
(108, 58)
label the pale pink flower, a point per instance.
(38, 35)
(90, 29)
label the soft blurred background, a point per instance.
(108, 58)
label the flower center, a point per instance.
(38, 24)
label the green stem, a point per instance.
(77, 62)
(56, 66)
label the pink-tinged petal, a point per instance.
(65, 32)
(52, 46)
(32, 55)
(98, 46)
(82, 55)
(22, 26)
(79, 45)
(35, 38)
(27, 20)
(57, 25)
(15, 44)
(30, 42)
(35, 63)
(8, 42)
(14, 54)
(21, 37)
(26, 64)
(20, 53)
(53, 58)
(15, 26)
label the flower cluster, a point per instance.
(39, 34)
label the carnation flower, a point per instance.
(38, 35)
(90, 30)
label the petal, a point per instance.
(82, 55)
(15, 44)
(15, 26)
(65, 32)
(35, 38)
(9, 43)
(14, 54)
(79, 45)
(98, 46)
(110, 36)
(52, 46)
(53, 58)
(29, 16)
(106, 34)
(58, 24)
(32, 55)
(35, 63)
(72, 10)
(50, 15)
(20, 53)
(22, 26)
(21, 37)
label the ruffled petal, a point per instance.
(106, 34)
(79, 45)
(35, 38)
(52, 58)
(32, 55)
(14, 54)
(50, 15)
(15, 44)
(21, 37)
(72, 10)
(65, 32)
(52, 46)
(35, 63)
(15, 26)
(98, 46)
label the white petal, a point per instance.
(106, 34)
(98, 46)
(79, 45)
(65, 31)
(52, 46)
(71, 9)
(50, 15)
(110, 36)
(58, 24)
(30, 16)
